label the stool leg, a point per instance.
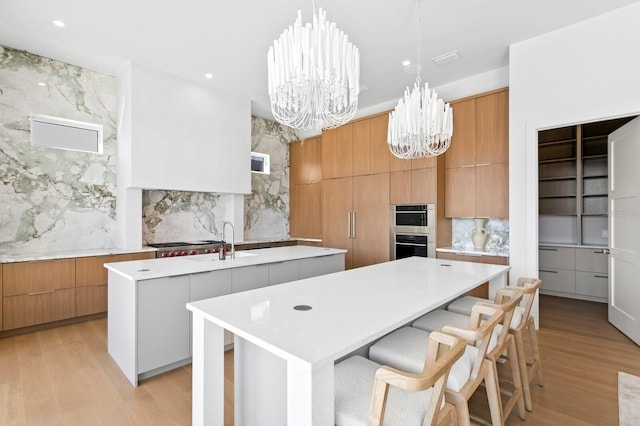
(533, 338)
(493, 395)
(517, 380)
(522, 364)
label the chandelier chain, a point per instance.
(419, 44)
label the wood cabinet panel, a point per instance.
(400, 187)
(371, 222)
(26, 310)
(295, 162)
(305, 161)
(462, 151)
(90, 270)
(336, 205)
(306, 211)
(496, 260)
(337, 152)
(1, 297)
(492, 128)
(423, 186)
(397, 164)
(379, 147)
(361, 148)
(31, 277)
(423, 163)
(460, 192)
(144, 255)
(91, 299)
(492, 190)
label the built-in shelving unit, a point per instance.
(573, 180)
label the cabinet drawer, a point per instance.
(91, 299)
(592, 260)
(592, 284)
(26, 310)
(282, 272)
(90, 270)
(557, 257)
(22, 278)
(558, 280)
(311, 267)
(206, 285)
(249, 278)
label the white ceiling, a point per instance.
(230, 39)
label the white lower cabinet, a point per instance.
(312, 267)
(163, 322)
(282, 272)
(205, 285)
(249, 278)
(333, 263)
(576, 272)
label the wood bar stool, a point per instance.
(507, 299)
(529, 288)
(408, 347)
(367, 393)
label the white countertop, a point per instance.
(166, 267)
(33, 256)
(350, 308)
(504, 253)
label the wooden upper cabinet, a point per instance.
(337, 152)
(492, 128)
(423, 186)
(361, 147)
(295, 162)
(379, 147)
(34, 277)
(306, 207)
(305, 161)
(460, 192)
(492, 190)
(400, 187)
(423, 163)
(1, 303)
(462, 151)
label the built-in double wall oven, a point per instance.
(412, 230)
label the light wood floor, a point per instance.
(64, 376)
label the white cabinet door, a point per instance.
(211, 284)
(311, 267)
(592, 260)
(333, 263)
(283, 272)
(592, 284)
(249, 278)
(163, 322)
(558, 280)
(557, 257)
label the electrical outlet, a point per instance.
(604, 233)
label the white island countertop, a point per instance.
(167, 267)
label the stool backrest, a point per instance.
(529, 288)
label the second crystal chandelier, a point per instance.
(421, 124)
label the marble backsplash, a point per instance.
(185, 216)
(497, 240)
(52, 199)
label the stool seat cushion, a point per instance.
(436, 320)
(353, 381)
(463, 306)
(406, 350)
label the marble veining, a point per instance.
(267, 208)
(628, 399)
(53, 199)
(497, 235)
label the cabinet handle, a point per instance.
(353, 227)
(547, 249)
(41, 292)
(467, 165)
(101, 285)
(551, 272)
(348, 224)
(601, 276)
(598, 251)
(483, 164)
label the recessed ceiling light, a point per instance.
(58, 23)
(447, 58)
(41, 84)
(208, 75)
(406, 63)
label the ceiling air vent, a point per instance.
(53, 132)
(447, 58)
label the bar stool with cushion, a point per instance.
(407, 348)
(507, 299)
(367, 393)
(529, 288)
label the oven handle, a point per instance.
(411, 244)
(412, 212)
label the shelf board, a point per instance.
(557, 160)
(594, 157)
(594, 176)
(560, 142)
(589, 138)
(557, 196)
(595, 214)
(557, 214)
(595, 195)
(546, 179)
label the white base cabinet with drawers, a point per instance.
(149, 326)
(577, 272)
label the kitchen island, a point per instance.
(288, 337)
(149, 327)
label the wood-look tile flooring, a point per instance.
(64, 376)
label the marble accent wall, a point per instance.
(51, 199)
(497, 235)
(266, 210)
(185, 216)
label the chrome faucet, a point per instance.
(233, 237)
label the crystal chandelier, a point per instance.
(422, 124)
(314, 75)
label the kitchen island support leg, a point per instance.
(208, 372)
(310, 394)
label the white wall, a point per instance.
(589, 71)
(186, 136)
